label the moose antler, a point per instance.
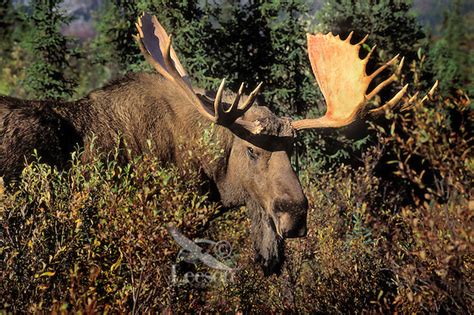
(342, 78)
(155, 45)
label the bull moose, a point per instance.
(254, 169)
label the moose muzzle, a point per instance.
(290, 219)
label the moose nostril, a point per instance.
(290, 227)
(303, 231)
(296, 232)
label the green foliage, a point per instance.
(268, 39)
(290, 80)
(253, 42)
(92, 71)
(49, 53)
(451, 56)
(389, 23)
(264, 41)
(114, 44)
(8, 19)
(12, 29)
(12, 73)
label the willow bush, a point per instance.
(394, 235)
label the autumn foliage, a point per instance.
(394, 235)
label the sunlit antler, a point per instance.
(342, 78)
(414, 99)
(153, 37)
(155, 45)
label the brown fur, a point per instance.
(145, 106)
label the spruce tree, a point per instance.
(114, 45)
(49, 53)
(7, 26)
(390, 23)
(450, 57)
(11, 57)
(291, 85)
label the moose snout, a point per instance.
(291, 219)
(291, 227)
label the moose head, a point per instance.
(257, 171)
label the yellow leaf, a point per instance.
(45, 274)
(2, 189)
(117, 263)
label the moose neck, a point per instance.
(213, 158)
(143, 107)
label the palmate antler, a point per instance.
(342, 78)
(155, 45)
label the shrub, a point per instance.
(94, 237)
(394, 235)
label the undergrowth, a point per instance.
(394, 235)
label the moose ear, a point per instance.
(156, 40)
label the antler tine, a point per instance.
(433, 88)
(241, 88)
(251, 99)
(382, 68)
(235, 104)
(156, 45)
(366, 59)
(362, 40)
(414, 97)
(349, 37)
(392, 102)
(409, 104)
(392, 78)
(400, 66)
(218, 110)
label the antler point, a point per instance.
(363, 40)
(348, 39)
(432, 90)
(241, 89)
(400, 66)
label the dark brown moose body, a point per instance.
(253, 164)
(136, 108)
(144, 107)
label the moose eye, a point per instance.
(251, 153)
